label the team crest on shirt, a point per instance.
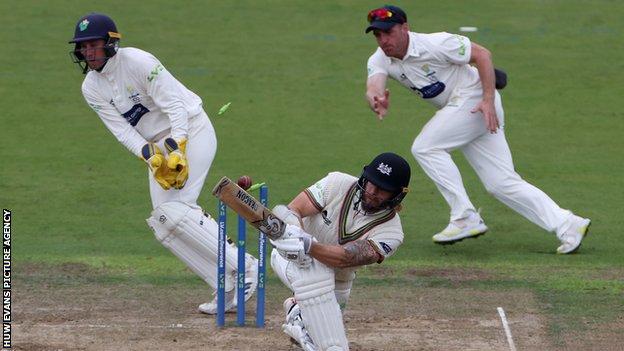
(384, 169)
(134, 95)
(426, 68)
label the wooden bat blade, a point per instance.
(252, 210)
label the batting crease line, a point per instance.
(104, 326)
(501, 313)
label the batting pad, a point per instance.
(314, 292)
(344, 281)
(193, 238)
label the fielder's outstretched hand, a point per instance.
(489, 114)
(381, 104)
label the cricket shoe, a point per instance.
(294, 326)
(458, 230)
(571, 238)
(231, 297)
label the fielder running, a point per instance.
(334, 226)
(163, 123)
(470, 118)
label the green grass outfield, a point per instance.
(295, 74)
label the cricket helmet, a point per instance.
(389, 172)
(92, 27)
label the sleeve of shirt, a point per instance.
(114, 121)
(167, 93)
(453, 48)
(386, 239)
(378, 63)
(322, 191)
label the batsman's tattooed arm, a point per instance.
(353, 254)
(360, 253)
(348, 222)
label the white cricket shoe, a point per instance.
(294, 326)
(231, 297)
(458, 230)
(572, 237)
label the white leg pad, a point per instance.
(344, 281)
(314, 292)
(193, 238)
(342, 292)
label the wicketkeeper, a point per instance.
(336, 225)
(163, 123)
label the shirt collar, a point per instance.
(111, 63)
(412, 49)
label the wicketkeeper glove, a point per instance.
(177, 161)
(158, 165)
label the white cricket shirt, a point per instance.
(339, 223)
(435, 67)
(138, 99)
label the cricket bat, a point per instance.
(252, 210)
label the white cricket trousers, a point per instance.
(455, 127)
(201, 148)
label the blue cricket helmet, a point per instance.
(94, 26)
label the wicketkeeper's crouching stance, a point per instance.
(334, 226)
(163, 123)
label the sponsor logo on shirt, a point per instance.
(95, 107)
(325, 218)
(462, 45)
(430, 91)
(135, 113)
(159, 68)
(387, 249)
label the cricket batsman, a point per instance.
(336, 225)
(438, 68)
(162, 123)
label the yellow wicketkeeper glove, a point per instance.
(158, 165)
(177, 161)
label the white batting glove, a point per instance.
(295, 246)
(287, 215)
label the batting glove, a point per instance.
(287, 215)
(295, 246)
